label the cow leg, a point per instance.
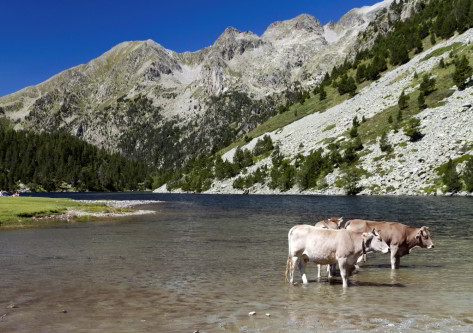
(395, 260)
(293, 269)
(329, 272)
(342, 264)
(332, 270)
(302, 264)
(318, 271)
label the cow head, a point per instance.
(423, 238)
(373, 242)
(339, 221)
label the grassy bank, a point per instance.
(26, 212)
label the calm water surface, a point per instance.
(203, 262)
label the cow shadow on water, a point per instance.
(388, 266)
(351, 283)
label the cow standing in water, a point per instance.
(327, 246)
(331, 223)
(401, 238)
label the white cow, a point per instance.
(331, 223)
(327, 246)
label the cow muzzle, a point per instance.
(387, 250)
(431, 246)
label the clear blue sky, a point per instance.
(42, 38)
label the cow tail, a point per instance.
(289, 259)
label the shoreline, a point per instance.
(29, 212)
(267, 191)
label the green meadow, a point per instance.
(26, 212)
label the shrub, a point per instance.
(411, 129)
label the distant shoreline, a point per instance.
(30, 212)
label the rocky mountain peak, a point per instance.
(233, 41)
(303, 23)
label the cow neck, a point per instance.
(356, 237)
(411, 237)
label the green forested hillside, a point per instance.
(60, 161)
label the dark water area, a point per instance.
(205, 261)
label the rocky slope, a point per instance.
(94, 100)
(447, 129)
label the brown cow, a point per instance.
(331, 223)
(401, 238)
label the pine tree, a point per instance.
(384, 143)
(442, 63)
(354, 132)
(351, 179)
(463, 72)
(421, 101)
(360, 73)
(470, 16)
(323, 94)
(432, 38)
(411, 129)
(468, 175)
(451, 178)
(418, 45)
(399, 52)
(427, 85)
(402, 102)
(355, 122)
(399, 116)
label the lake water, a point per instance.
(203, 262)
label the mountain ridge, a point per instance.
(93, 100)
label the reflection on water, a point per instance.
(204, 262)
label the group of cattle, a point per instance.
(334, 241)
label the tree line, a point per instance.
(59, 161)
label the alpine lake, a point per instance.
(203, 262)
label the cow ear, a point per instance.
(367, 235)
